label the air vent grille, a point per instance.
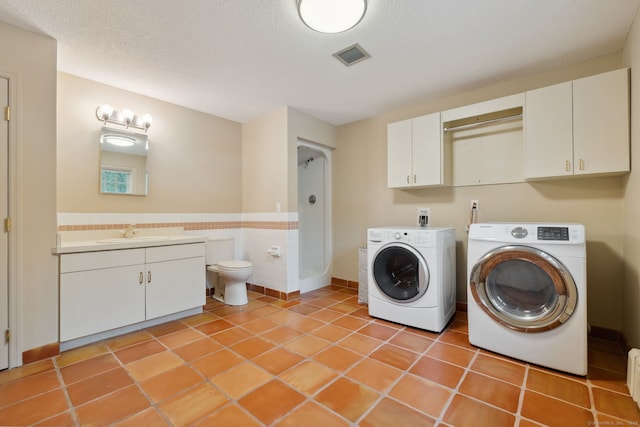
(352, 55)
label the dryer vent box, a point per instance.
(424, 216)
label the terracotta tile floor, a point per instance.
(320, 361)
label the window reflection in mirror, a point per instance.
(123, 162)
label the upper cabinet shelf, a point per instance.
(579, 127)
(576, 128)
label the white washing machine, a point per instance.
(412, 275)
(527, 292)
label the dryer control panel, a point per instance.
(529, 233)
(553, 233)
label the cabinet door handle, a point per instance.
(567, 166)
(149, 276)
(408, 181)
(414, 179)
(581, 163)
(141, 278)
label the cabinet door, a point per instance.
(549, 131)
(601, 123)
(427, 151)
(399, 154)
(174, 286)
(98, 300)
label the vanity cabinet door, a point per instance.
(100, 299)
(175, 279)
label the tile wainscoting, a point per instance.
(254, 234)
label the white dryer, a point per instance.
(527, 292)
(412, 275)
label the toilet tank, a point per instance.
(219, 249)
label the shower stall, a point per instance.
(314, 216)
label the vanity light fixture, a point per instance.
(331, 16)
(127, 118)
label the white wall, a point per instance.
(631, 296)
(29, 60)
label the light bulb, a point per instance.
(127, 116)
(104, 112)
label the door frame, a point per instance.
(15, 295)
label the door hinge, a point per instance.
(7, 113)
(7, 336)
(7, 224)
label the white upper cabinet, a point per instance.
(579, 127)
(549, 131)
(601, 123)
(414, 152)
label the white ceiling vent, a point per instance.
(352, 55)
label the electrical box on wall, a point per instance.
(424, 215)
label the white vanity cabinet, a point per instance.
(579, 127)
(101, 291)
(414, 152)
(105, 290)
(175, 279)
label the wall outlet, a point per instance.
(424, 217)
(475, 203)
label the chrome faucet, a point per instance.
(129, 232)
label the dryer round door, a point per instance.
(524, 288)
(400, 272)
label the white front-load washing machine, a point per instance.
(527, 292)
(412, 275)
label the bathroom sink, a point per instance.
(133, 239)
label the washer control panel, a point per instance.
(414, 237)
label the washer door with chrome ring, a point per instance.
(400, 272)
(524, 288)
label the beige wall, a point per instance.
(264, 163)
(270, 157)
(631, 297)
(29, 60)
(362, 199)
(194, 159)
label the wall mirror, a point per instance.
(123, 162)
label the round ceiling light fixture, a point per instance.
(331, 16)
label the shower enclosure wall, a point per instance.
(314, 216)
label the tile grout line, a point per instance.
(63, 386)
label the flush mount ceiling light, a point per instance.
(331, 16)
(127, 118)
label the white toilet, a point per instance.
(231, 284)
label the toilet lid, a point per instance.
(234, 264)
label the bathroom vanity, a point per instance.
(111, 286)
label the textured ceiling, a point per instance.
(240, 59)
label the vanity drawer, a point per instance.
(168, 253)
(99, 260)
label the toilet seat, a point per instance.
(234, 264)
